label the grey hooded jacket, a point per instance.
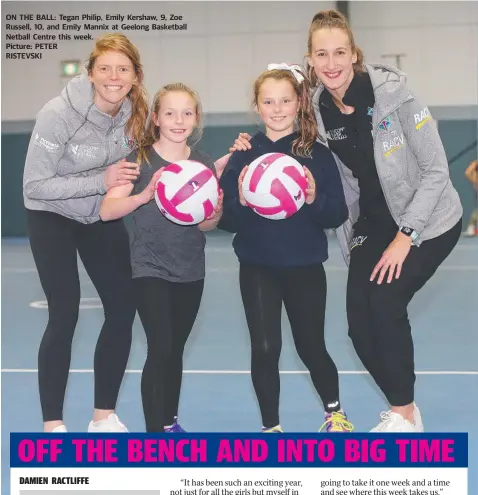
(410, 160)
(71, 145)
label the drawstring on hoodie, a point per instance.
(85, 117)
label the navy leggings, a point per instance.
(303, 291)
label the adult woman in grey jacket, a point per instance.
(404, 213)
(77, 152)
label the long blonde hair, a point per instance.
(152, 132)
(332, 19)
(302, 146)
(115, 42)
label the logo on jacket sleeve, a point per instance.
(422, 118)
(45, 144)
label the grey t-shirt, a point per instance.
(161, 248)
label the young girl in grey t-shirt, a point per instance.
(168, 259)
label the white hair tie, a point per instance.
(293, 68)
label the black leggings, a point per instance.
(303, 291)
(104, 250)
(377, 314)
(168, 311)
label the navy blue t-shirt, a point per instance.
(299, 240)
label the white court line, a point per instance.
(18, 270)
(445, 268)
(247, 372)
(335, 248)
(332, 248)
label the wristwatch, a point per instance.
(408, 231)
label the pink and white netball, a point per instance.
(274, 186)
(187, 192)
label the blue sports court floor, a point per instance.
(217, 392)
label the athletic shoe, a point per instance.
(174, 428)
(111, 424)
(60, 429)
(336, 421)
(471, 231)
(393, 422)
(275, 429)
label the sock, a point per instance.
(332, 407)
(175, 419)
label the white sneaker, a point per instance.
(471, 231)
(110, 425)
(392, 422)
(60, 429)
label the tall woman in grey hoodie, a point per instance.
(76, 154)
(404, 213)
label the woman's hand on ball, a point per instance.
(239, 183)
(311, 192)
(148, 194)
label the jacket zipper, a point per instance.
(113, 131)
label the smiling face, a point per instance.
(277, 104)
(113, 76)
(332, 59)
(176, 116)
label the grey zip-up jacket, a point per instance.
(71, 145)
(410, 160)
